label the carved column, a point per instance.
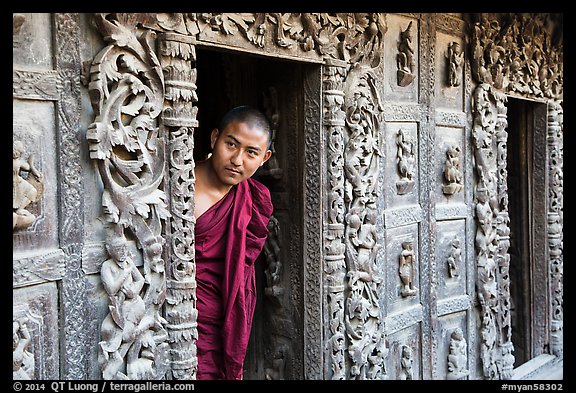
(127, 89)
(335, 265)
(556, 223)
(177, 57)
(492, 233)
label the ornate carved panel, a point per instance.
(451, 258)
(452, 348)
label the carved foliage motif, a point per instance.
(344, 36)
(556, 223)
(177, 57)
(492, 234)
(367, 347)
(519, 54)
(335, 266)
(126, 88)
(27, 186)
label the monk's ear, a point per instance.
(214, 137)
(267, 156)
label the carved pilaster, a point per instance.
(362, 152)
(127, 92)
(335, 265)
(556, 223)
(178, 57)
(492, 233)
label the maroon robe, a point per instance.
(230, 236)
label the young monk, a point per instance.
(232, 213)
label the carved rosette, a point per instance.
(492, 234)
(556, 223)
(519, 53)
(364, 328)
(127, 89)
(335, 265)
(177, 57)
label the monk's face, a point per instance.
(238, 151)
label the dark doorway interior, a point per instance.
(526, 166)
(225, 80)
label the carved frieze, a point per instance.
(520, 53)
(307, 36)
(127, 90)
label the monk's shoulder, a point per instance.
(260, 196)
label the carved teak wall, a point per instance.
(390, 257)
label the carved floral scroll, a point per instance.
(127, 88)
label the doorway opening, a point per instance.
(225, 80)
(527, 178)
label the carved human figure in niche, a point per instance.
(406, 270)
(457, 356)
(455, 64)
(454, 259)
(406, 372)
(22, 358)
(25, 189)
(452, 171)
(365, 243)
(274, 265)
(405, 58)
(126, 320)
(405, 156)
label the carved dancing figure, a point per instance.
(24, 191)
(453, 171)
(457, 356)
(405, 58)
(455, 63)
(406, 372)
(406, 160)
(454, 259)
(22, 358)
(126, 320)
(406, 269)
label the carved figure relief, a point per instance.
(407, 270)
(453, 171)
(457, 356)
(454, 260)
(27, 186)
(22, 358)
(455, 64)
(126, 89)
(128, 331)
(367, 348)
(405, 156)
(406, 362)
(405, 58)
(492, 234)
